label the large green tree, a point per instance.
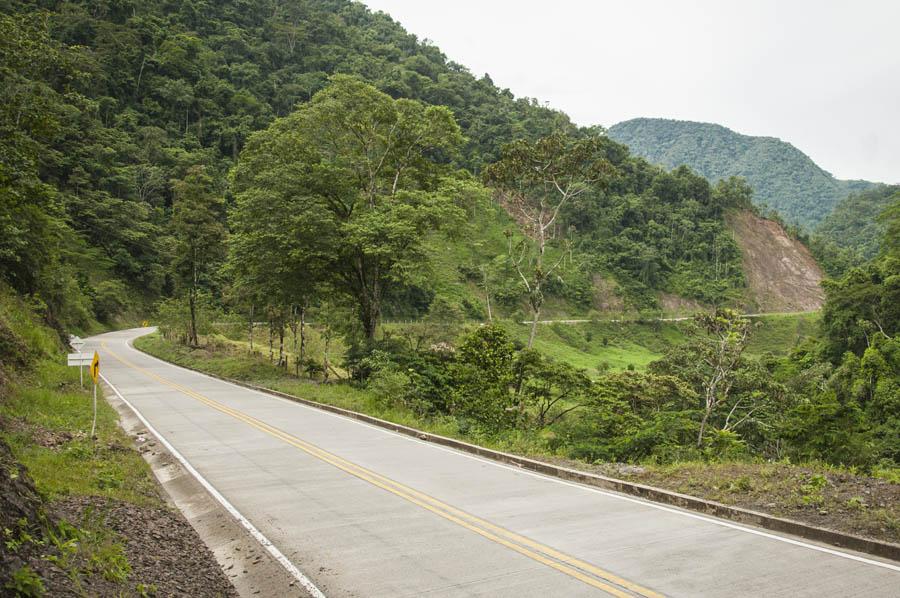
(197, 217)
(365, 175)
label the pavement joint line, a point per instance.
(324, 408)
(581, 570)
(291, 568)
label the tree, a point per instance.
(271, 262)
(713, 364)
(553, 389)
(197, 214)
(863, 304)
(369, 171)
(537, 179)
(482, 374)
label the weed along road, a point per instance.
(361, 511)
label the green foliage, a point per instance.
(353, 163)
(634, 415)
(177, 322)
(851, 234)
(105, 108)
(662, 231)
(197, 215)
(782, 177)
(25, 582)
(482, 375)
(537, 179)
(861, 306)
(850, 384)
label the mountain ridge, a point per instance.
(783, 177)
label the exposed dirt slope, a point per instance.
(782, 275)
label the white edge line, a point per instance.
(534, 474)
(307, 584)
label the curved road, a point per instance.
(362, 511)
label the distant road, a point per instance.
(361, 511)
(678, 319)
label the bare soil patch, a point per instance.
(163, 550)
(782, 275)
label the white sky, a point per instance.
(822, 75)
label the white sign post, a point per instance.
(79, 360)
(77, 343)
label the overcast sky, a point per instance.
(822, 75)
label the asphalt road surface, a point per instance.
(361, 511)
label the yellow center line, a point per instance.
(564, 563)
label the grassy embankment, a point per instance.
(48, 419)
(45, 419)
(816, 493)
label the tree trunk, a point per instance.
(326, 366)
(302, 355)
(192, 303)
(251, 329)
(487, 295)
(271, 338)
(710, 405)
(293, 326)
(534, 325)
(282, 359)
(370, 314)
(702, 428)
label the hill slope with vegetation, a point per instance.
(105, 106)
(849, 236)
(783, 178)
(111, 109)
(80, 516)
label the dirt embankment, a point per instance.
(782, 275)
(95, 546)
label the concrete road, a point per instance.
(361, 511)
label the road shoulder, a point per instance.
(248, 565)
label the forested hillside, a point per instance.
(109, 109)
(105, 105)
(783, 178)
(850, 235)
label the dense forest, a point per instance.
(313, 166)
(850, 235)
(782, 177)
(110, 108)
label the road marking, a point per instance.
(307, 583)
(562, 562)
(547, 478)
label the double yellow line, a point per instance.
(571, 566)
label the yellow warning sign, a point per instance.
(95, 367)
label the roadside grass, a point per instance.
(47, 422)
(818, 493)
(45, 419)
(599, 345)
